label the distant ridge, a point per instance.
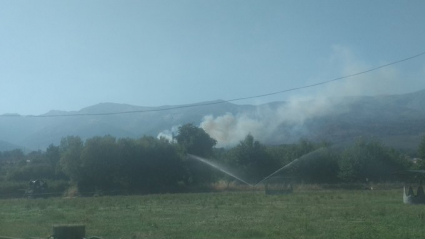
(6, 146)
(58, 112)
(397, 120)
(111, 107)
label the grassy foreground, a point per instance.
(304, 214)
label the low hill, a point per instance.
(6, 146)
(397, 120)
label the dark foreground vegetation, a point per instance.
(106, 165)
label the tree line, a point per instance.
(151, 165)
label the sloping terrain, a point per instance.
(397, 120)
(5, 146)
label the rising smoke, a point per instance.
(229, 129)
(169, 134)
(290, 116)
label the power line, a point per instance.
(222, 101)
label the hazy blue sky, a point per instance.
(66, 55)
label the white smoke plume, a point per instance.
(229, 129)
(169, 134)
(289, 117)
(382, 81)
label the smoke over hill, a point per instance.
(398, 120)
(229, 129)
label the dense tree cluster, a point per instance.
(252, 160)
(420, 163)
(372, 161)
(151, 165)
(421, 148)
(17, 166)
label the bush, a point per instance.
(12, 189)
(370, 161)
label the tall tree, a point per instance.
(52, 155)
(319, 166)
(370, 160)
(421, 148)
(195, 140)
(99, 160)
(253, 160)
(70, 161)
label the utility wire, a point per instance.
(221, 101)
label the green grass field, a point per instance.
(304, 214)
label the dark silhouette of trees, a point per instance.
(317, 166)
(126, 165)
(150, 165)
(421, 148)
(370, 161)
(70, 150)
(194, 140)
(252, 159)
(98, 160)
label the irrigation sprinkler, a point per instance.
(277, 171)
(218, 168)
(69, 231)
(409, 197)
(222, 169)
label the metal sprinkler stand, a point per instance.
(69, 231)
(63, 232)
(409, 197)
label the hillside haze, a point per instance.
(396, 120)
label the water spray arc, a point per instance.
(277, 171)
(218, 167)
(290, 164)
(271, 175)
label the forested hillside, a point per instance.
(396, 120)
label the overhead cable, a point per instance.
(219, 101)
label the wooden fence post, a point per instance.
(69, 231)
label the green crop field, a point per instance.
(304, 214)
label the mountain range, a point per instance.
(396, 120)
